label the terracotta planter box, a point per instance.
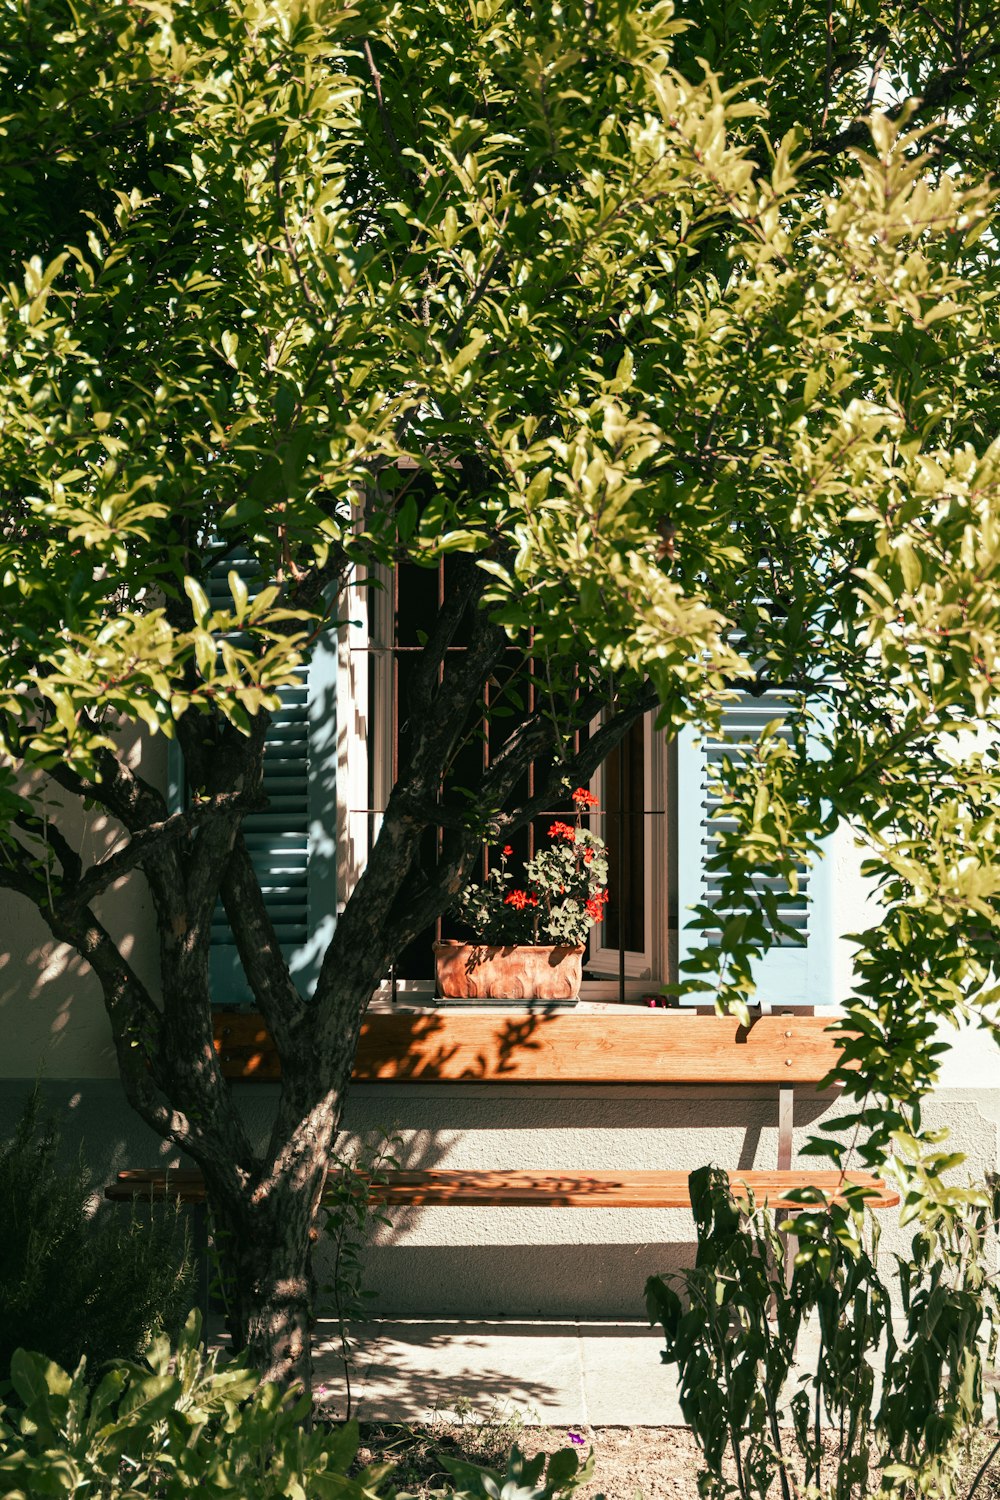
(472, 971)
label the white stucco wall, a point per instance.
(443, 1261)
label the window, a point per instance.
(632, 787)
(791, 973)
(655, 806)
(382, 645)
(331, 761)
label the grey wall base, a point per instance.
(589, 1263)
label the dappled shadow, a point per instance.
(553, 1371)
(448, 1046)
(533, 1189)
(423, 1371)
(52, 1015)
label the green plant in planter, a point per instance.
(892, 1396)
(563, 893)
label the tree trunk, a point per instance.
(271, 1291)
(265, 1223)
(265, 1240)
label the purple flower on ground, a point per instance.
(575, 1437)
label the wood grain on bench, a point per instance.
(542, 1189)
(576, 1047)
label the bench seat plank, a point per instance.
(542, 1189)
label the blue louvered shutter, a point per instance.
(293, 842)
(793, 972)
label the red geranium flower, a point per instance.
(583, 798)
(563, 831)
(519, 900)
(507, 851)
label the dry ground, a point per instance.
(654, 1463)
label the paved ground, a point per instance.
(577, 1373)
(549, 1373)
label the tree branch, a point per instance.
(45, 831)
(136, 1023)
(936, 96)
(133, 800)
(383, 113)
(437, 893)
(463, 589)
(151, 840)
(17, 874)
(260, 951)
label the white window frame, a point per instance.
(364, 720)
(651, 962)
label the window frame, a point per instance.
(651, 964)
(365, 716)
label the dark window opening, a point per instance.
(624, 818)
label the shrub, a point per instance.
(73, 1284)
(895, 1396)
(182, 1424)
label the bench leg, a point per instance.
(789, 1258)
(786, 1125)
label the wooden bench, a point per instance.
(523, 1049)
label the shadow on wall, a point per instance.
(451, 1261)
(45, 986)
(565, 1261)
(95, 1119)
(52, 1012)
(589, 1280)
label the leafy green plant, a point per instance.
(485, 1434)
(178, 1424)
(346, 1217)
(73, 1283)
(524, 1478)
(894, 1396)
(182, 1423)
(659, 320)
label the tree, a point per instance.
(660, 349)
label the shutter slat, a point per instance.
(278, 836)
(298, 884)
(797, 970)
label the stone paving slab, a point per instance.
(546, 1373)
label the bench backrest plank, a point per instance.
(564, 1047)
